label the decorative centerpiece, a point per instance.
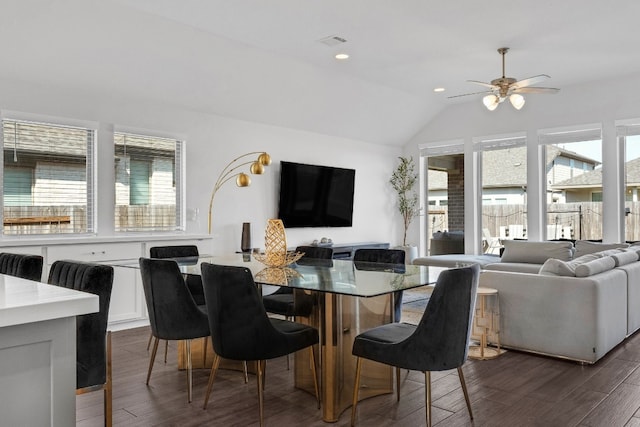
(275, 243)
(277, 275)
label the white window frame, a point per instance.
(488, 143)
(625, 128)
(91, 173)
(180, 174)
(568, 134)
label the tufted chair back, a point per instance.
(91, 328)
(23, 266)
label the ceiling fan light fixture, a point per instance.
(504, 87)
(516, 100)
(491, 102)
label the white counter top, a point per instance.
(25, 301)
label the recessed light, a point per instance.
(439, 89)
(342, 56)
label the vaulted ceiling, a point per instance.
(263, 60)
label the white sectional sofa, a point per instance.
(564, 300)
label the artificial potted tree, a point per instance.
(403, 181)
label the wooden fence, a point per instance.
(145, 217)
(21, 220)
(564, 220)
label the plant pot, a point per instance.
(410, 253)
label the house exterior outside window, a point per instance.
(47, 178)
(574, 182)
(503, 161)
(628, 133)
(148, 190)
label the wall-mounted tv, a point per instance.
(315, 196)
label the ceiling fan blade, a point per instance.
(531, 81)
(486, 92)
(536, 90)
(483, 84)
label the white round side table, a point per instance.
(486, 326)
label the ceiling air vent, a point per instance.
(332, 40)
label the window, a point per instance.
(574, 182)
(17, 186)
(445, 189)
(148, 191)
(139, 182)
(47, 178)
(504, 188)
(630, 135)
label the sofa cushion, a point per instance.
(556, 267)
(448, 235)
(455, 260)
(584, 247)
(514, 267)
(594, 267)
(535, 252)
(624, 258)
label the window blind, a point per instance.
(486, 144)
(47, 178)
(453, 147)
(148, 184)
(628, 130)
(564, 137)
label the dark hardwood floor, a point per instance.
(516, 389)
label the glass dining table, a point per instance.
(348, 299)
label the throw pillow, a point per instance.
(633, 248)
(585, 247)
(556, 267)
(624, 258)
(594, 267)
(535, 252)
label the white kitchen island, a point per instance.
(38, 351)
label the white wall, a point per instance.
(601, 102)
(213, 141)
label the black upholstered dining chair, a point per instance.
(241, 329)
(438, 343)
(93, 341)
(282, 302)
(173, 314)
(20, 265)
(193, 281)
(384, 256)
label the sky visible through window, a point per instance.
(632, 147)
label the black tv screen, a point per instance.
(315, 196)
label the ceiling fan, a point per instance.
(508, 87)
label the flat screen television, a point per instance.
(315, 196)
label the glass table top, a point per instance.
(361, 279)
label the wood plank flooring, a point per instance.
(516, 389)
